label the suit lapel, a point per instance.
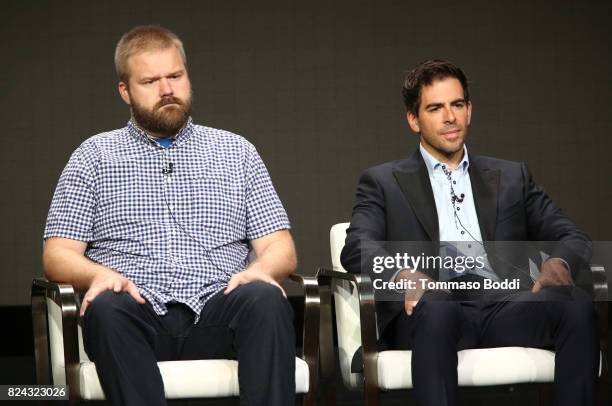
(416, 187)
(485, 189)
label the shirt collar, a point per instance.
(433, 164)
(180, 137)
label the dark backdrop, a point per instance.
(315, 85)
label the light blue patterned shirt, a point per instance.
(176, 221)
(458, 223)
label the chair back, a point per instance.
(347, 310)
(56, 343)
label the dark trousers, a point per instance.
(559, 318)
(253, 324)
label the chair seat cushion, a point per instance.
(191, 379)
(477, 367)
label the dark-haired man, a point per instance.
(445, 195)
(155, 221)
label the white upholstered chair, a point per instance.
(60, 358)
(389, 370)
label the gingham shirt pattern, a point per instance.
(178, 236)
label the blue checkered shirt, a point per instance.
(176, 221)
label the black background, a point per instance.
(315, 85)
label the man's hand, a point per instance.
(553, 273)
(110, 281)
(65, 261)
(276, 259)
(250, 274)
(412, 296)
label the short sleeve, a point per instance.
(265, 212)
(73, 206)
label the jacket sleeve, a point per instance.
(367, 237)
(547, 222)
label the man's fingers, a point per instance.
(88, 298)
(238, 280)
(273, 282)
(234, 282)
(84, 305)
(537, 286)
(553, 273)
(133, 291)
(552, 279)
(565, 278)
(268, 279)
(409, 306)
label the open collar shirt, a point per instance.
(176, 221)
(458, 222)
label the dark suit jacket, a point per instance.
(395, 202)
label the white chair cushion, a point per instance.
(191, 379)
(182, 379)
(477, 367)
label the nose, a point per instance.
(165, 88)
(449, 115)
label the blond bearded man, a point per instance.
(155, 222)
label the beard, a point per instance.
(166, 118)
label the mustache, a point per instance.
(169, 100)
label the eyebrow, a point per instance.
(459, 100)
(146, 78)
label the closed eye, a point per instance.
(175, 75)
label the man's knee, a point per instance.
(438, 317)
(570, 305)
(107, 317)
(265, 301)
(108, 306)
(579, 314)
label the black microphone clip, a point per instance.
(168, 169)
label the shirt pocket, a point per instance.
(218, 209)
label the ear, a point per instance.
(124, 92)
(469, 112)
(413, 122)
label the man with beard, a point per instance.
(447, 198)
(155, 222)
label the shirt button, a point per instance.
(454, 182)
(462, 232)
(458, 208)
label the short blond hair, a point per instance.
(142, 39)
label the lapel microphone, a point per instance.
(456, 198)
(168, 168)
